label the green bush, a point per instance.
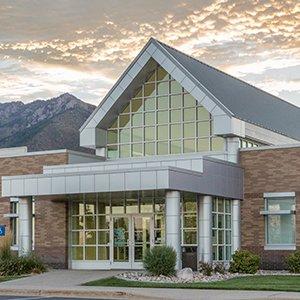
(219, 268)
(14, 265)
(244, 261)
(160, 260)
(5, 244)
(206, 268)
(293, 262)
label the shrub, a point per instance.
(205, 268)
(5, 244)
(14, 265)
(219, 268)
(293, 262)
(244, 261)
(160, 260)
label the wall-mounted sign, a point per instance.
(2, 230)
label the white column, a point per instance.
(236, 225)
(233, 144)
(205, 229)
(25, 226)
(173, 232)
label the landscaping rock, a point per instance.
(185, 274)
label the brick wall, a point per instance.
(51, 236)
(51, 245)
(273, 170)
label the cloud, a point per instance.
(98, 37)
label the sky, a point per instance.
(49, 47)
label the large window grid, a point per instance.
(161, 119)
(221, 232)
(189, 219)
(91, 217)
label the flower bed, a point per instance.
(196, 276)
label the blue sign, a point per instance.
(2, 230)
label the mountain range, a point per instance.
(43, 124)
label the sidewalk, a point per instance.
(67, 283)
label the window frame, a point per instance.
(266, 213)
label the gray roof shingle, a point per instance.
(245, 101)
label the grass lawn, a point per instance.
(261, 283)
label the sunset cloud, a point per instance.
(83, 46)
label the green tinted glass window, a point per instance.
(175, 131)
(176, 101)
(163, 117)
(124, 150)
(124, 120)
(149, 90)
(112, 136)
(188, 100)
(189, 114)
(203, 129)
(150, 118)
(163, 102)
(175, 115)
(161, 111)
(150, 104)
(162, 74)
(137, 134)
(175, 147)
(188, 130)
(149, 148)
(124, 135)
(203, 144)
(163, 88)
(175, 87)
(189, 146)
(162, 132)
(137, 119)
(136, 105)
(202, 114)
(162, 148)
(150, 133)
(137, 149)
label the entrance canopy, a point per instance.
(190, 173)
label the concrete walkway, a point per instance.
(67, 283)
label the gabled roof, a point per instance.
(243, 100)
(221, 94)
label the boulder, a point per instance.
(185, 274)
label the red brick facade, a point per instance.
(272, 170)
(50, 245)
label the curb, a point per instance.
(75, 293)
(67, 293)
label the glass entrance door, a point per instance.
(132, 236)
(121, 242)
(142, 239)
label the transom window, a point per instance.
(161, 119)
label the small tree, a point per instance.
(160, 260)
